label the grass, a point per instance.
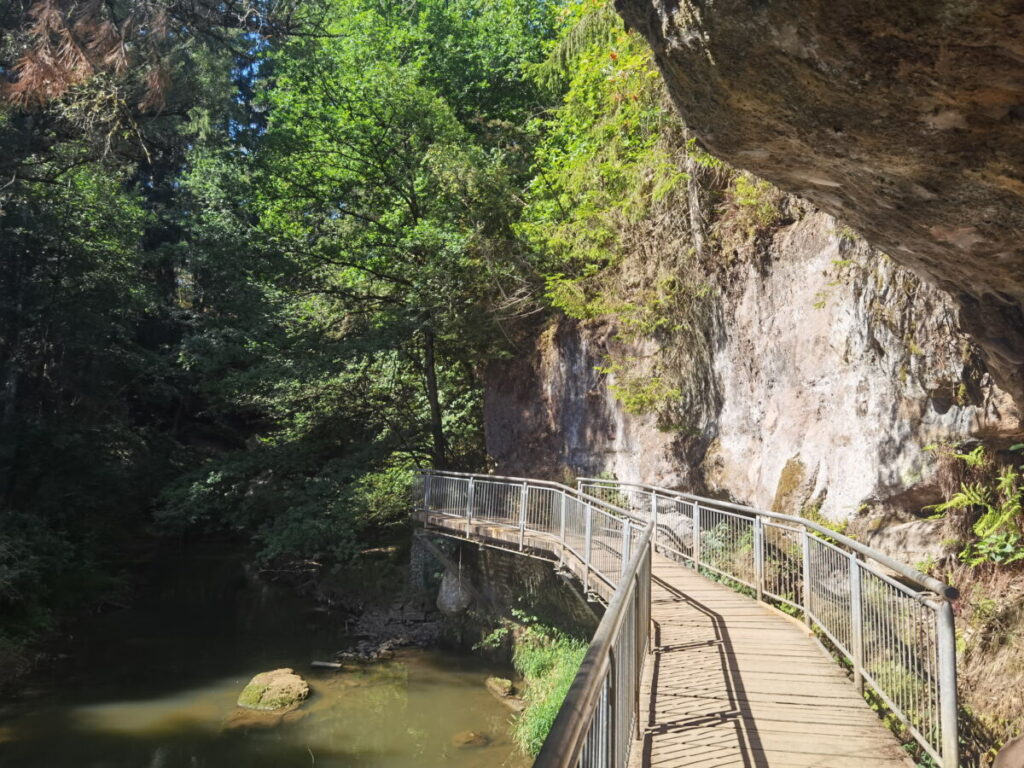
(548, 661)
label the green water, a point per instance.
(152, 686)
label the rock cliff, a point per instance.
(834, 369)
(835, 332)
(906, 120)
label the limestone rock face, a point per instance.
(906, 120)
(551, 410)
(277, 690)
(837, 370)
(834, 369)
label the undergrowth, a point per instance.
(983, 535)
(985, 510)
(548, 660)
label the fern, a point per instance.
(1000, 502)
(974, 458)
(969, 496)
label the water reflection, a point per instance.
(155, 687)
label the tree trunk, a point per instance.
(436, 427)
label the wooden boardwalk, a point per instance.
(731, 682)
(734, 683)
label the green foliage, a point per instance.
(751, 206)
(548, 660)
(610, 162)
(999, 548)
(754, 195)
(995, 502)
(257, 309)
(639, 393)
(812, 512)
(847, 235)
(374, 214)
(83, 386)
(600, 163)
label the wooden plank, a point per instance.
(733, 682)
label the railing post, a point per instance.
(625, 546)
(948, 706)
(561, 522)
(856, 624)
(696, 536)
(522, 514)
(805, 546)
(611, 719)
(648, 628)
(654, 519)
(469, 500)
(759, 556)
(588, 513)
(638, 615)
(426, 491)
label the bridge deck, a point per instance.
(734, 683)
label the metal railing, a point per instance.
(892, 623)
(598, 720)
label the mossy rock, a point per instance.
(273, 691)
(500, 686)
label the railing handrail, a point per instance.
(568, 732)
(909, 660)
(545, 483)
(589, 714)
(928, 583)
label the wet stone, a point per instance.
(470, 740)
(277, 690)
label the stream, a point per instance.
(152, 686)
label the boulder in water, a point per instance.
(505, 691)
(274, 691)
(470, 739)
(499, 686)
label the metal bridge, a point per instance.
(732, 636)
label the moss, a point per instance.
(500, 685)
(252, 696)
(812, 512)
(275, 690)
(913, 347)
(791, 479)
